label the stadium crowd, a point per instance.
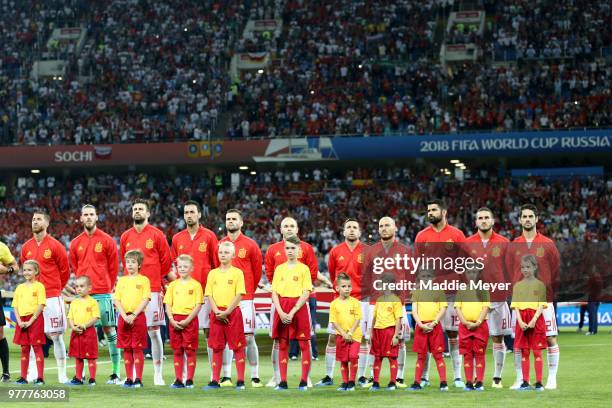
(574, 211)
(159, 70)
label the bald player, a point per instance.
(388, 246)
(276, 256)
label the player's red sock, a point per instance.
(40, 361)
(92, 365)
(393, 367)
(191, 363)
(240, 363)
(354, 364)
(539, 363)
(440, 364)
(178, 362)
(283, 357)
(128, 360)
(138, 362)
(480, 366)
(305, 349)
(25, 361)
(79, 368)
(525, 363)
(377, 367)
(217, 363)
(420, 367)
(344, 369)
(468, 366)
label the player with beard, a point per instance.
(54, 274)
(491, 247)
(156, 265)
(441, 240)
(276, 256)
(531, 242)
(248, 259)
(347, 258)
(201, 244)
(8, 265)
(388, 247)
(93, 253)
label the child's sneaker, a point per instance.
(469, 386)
(6, 377)
(92, 382)
(496, 383)
(443, 386)
(415, 387)
(375, 386)
(39, 381)
(350, 386)
(539, 386)
(138, 383)
(525, 386)
(303, 386)
(21, 381)
(113, 379)
(282, 386)
(240, 385)
(177, 384)
(213, 385)
(479, 386)
(189, 384)
(75, 382)
(391, 386)
(342, 387)
(128, 383)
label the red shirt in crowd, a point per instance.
(152, 242)
(248, 259)
(95, 256)
(203, 249)
(51, 256)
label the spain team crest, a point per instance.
(360, 258)
(242, 253)
(496, 251)
(300, 253)
(202, 247)
(450, 244)
(540, 252)
(47, 254)
(98, 247)
(149, 244)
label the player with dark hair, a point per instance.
(157, 263)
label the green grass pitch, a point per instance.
(583, 381)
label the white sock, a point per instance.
(370, 364)
(518, 365)
(252, 354)
(275, 360)
(184, 367)
(228, 355)
(210, 359)
(330, 360)
(401, 361)
(453, 346)
(362, 362)
(157, 352)
(499, 356)
(32, 369)
(59, 350)
(553, 363)
(425, 375)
